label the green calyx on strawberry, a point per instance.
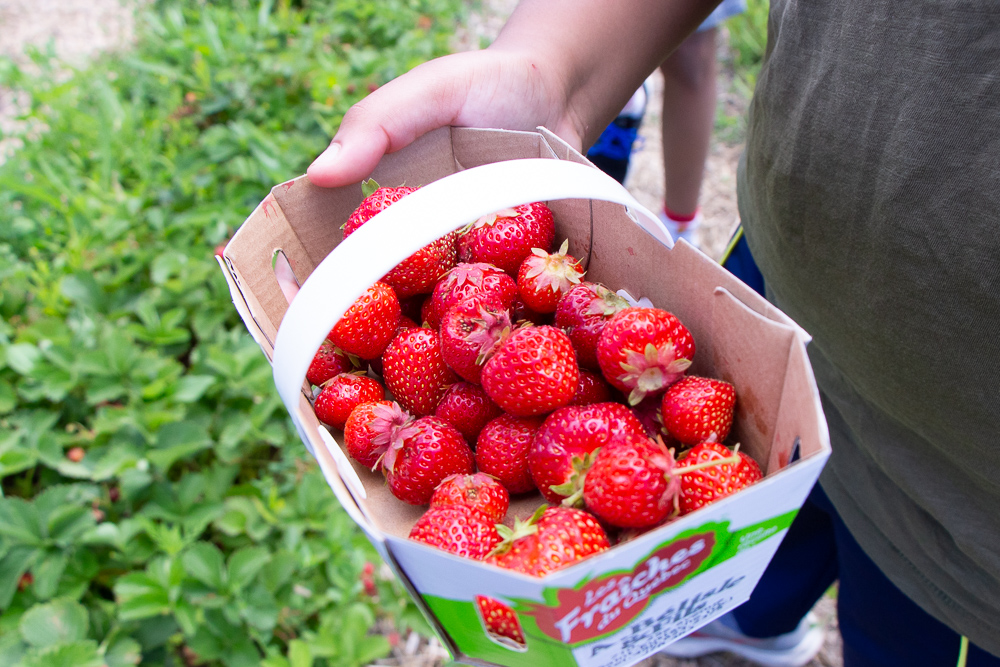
(572, 488)
(554, 538)
(642, 351)
(652, 370)
(522, 528)
(544, 278)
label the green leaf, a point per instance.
(47, 574)
(23, 357)
(56, 622)
(123, 652)
(13, 564)
(245, 564)
(190, 388)
(82, 653)
(204, 562)
(141, 596)
(19, 522)
(299, 654)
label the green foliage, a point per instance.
(156, 506)
(747, 43)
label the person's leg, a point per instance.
(689, 99)
(880, 626)
(802, 570)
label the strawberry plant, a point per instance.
(155, 506)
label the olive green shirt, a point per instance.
(870, 194)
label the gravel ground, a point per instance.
(76, 29)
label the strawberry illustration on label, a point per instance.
(609, 603)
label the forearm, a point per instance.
(595, 53)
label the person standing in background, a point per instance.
(690, 79)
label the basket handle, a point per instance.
(415, 221)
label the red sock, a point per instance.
(676, 217)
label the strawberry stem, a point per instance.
(734, 459)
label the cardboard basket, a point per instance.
(622, 605)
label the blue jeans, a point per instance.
(881, 627)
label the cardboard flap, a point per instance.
(754, 360)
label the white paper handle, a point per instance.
(415, 221)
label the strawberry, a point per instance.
(631, 483)
(710, 471)
(553, 538)
(500, 621)
(696, 409)
(466, 282)
(643, 351)
(582, 313)
(561, 450)
(341, 394)
(477, 492)
(506, 237)
(544, 278)
(591, 389)
(417, 273)
(369, 324)
(470, 332)
(502, 451)
(415, 372)
(456, 529)
(421, 455)
(467, 407)
(533, 372)
(369, 430)
(329, 361)
(376, 200)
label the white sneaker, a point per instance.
(794, 649)
(681, 230)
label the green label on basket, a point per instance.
(567, 618)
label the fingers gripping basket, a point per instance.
(622, 605)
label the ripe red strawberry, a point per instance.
(470, 332)
(561, 450)
(631, 483)
(421, 455)
(506, 237)
(456, 529)
(643, 351)
(591, 389)
(341, 394)
(696, 409)
(328, 362)
(502, 451)
(533, 372)
(477, 492)
(467, 407)
(710, 471)
(417, 273)
(500, 620)
(582, 313)
(369, 430)
(415, 372)
(376, 200)
(466, 282)
(553, 538)
(369, 324)
(544, 278)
